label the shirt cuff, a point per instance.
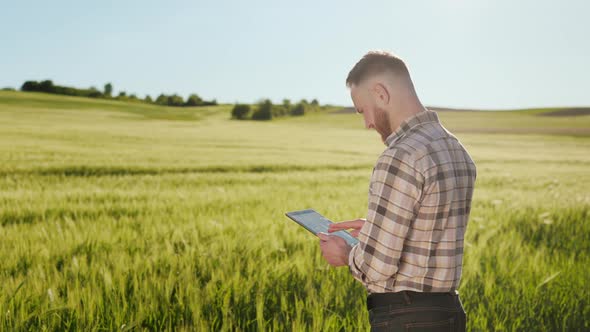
(356, 273)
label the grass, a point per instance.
(121, 216)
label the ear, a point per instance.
(381, 94)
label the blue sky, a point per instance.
(479, 54)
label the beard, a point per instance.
(382, 124)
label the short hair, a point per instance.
(376, 62)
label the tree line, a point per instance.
(47, 86)
(265, 110)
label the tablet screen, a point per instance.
(316, 223)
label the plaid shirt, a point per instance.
(419, 203)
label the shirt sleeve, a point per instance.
(394, 194)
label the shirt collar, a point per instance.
(408, 124)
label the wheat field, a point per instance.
(123, 216)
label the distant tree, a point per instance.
(287, 104)
(148, 99)
(162, 99)
(64, 90)
(108, 90)
(122, 94)
(193, 100)
(285, 108)
(264, 111)
(240, 111)
(315, 103)
(46, 86)
(30, 86)
(8, 89)
(133, 96)
(209, 103)
(279, 110)
(175, 100)
(298, 109)
(262, 115)
(94, 93)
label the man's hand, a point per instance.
(334, 249)
(356, 225)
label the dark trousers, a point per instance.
(416, 311)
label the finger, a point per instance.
(355, 233)
(323, 236)
(356, 224)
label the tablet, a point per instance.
(316, 223)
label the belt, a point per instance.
(407, 297)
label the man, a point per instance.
(410, 251)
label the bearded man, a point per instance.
(410, 251)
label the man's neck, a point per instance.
(404, 112)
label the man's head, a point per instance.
(382, 91)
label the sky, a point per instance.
(493, 54)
